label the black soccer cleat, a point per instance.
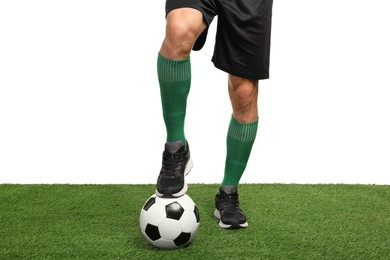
(176, 163)
(228, 211)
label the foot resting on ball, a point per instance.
(176, 164)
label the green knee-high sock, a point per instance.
(239, 142)
(175, 79)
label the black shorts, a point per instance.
(242, 44)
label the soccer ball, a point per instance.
(169, 223)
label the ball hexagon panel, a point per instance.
(156, 214)
(170, 229)
(163, 243)
(186, 202)
(143, 220)
(188, 221)
(165, 201)
(195, 231)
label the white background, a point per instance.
(79, 98)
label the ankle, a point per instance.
(228, 189)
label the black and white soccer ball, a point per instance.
(169, 223)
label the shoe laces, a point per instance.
(171, 163)
(231, 201)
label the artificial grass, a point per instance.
(285, 222)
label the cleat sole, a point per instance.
(217, 214)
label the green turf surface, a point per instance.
(285, 222)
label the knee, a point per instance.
(179, 39)
(244, 92)
(243, 95)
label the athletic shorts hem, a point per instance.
(240, 74)
(242, 41)
(205, 17)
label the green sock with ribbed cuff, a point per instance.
(239, 142)
(175, 80)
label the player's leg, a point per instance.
(242, 48)
(183, 26)
(242, 128)
(241, 135)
